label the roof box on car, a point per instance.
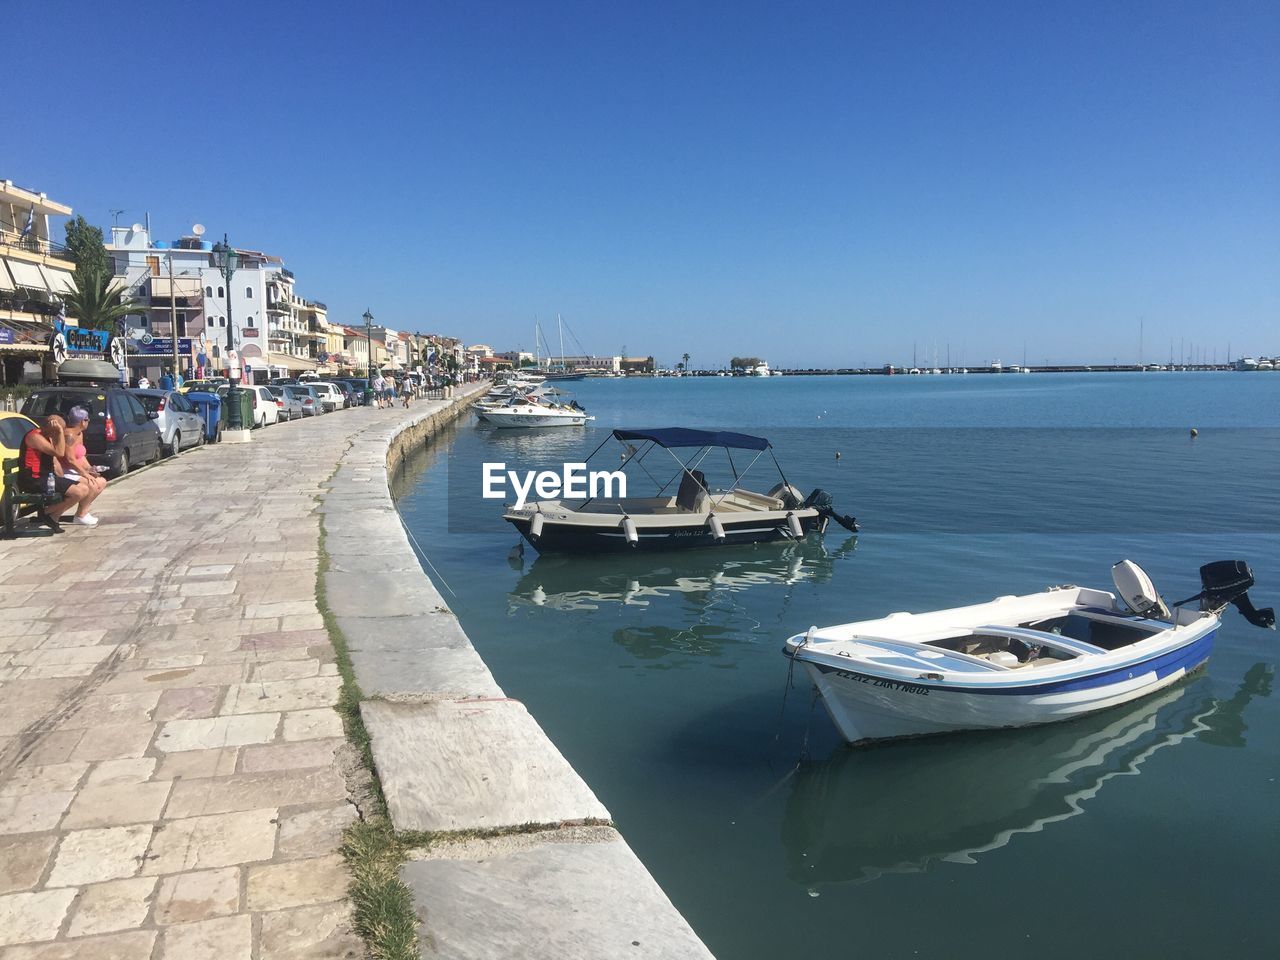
(88, 372)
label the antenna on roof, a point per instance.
(198, 229)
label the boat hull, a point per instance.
(868, 708)
(591, 538)
(505, 420)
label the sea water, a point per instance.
(1147, 830)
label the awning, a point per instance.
(684, 437)
(6, 281)
(291, 363)
(183, 286)
(58, 281)
(27, 275)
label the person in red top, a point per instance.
(39, 471)
(75, 464)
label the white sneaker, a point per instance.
(88, 520)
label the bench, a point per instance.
(15, 502)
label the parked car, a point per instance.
(288, 402)
(265, 411)
(179, 422)
(312, 400)
(348, 394)
(208, 385)
(330, 396)
(120, 435)
(358, 385)
(13, 427)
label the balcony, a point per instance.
(32, 244)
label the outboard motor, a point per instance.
(1228, 581)
(820, 500)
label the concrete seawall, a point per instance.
(524, 862)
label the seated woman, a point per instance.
(75, 464)
(38, 471)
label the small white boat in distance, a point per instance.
(1017, 661)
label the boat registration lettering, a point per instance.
(897, 685)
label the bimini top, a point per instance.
(684, 437)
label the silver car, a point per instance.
(289, 402)
(179, 423)
(312, 400)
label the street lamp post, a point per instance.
(226, 258)
(368, 337)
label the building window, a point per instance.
(248, 292)
(249, 321)
(221, 293)
(208, 291)
(222, 321)
(211, 321)
(153, 265)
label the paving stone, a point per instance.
(289, 756)
(114, 741)
(286, 670)
(472, 764)
(127, 770)
(226, 938)
(229, 731)
(312, 724)
(215, 841)
(217, 762)
(115, 905)
(320, 932)
(302, 694)
(299, 883)
(23, 858)
(33, 812)
(47, 778)
(33, 916)
(251, 791)
(92, 856)
(134, 945)
(188, 703)
(202, 895)
(55, 747)
(538, 897)
(312, 833)
(117, 803)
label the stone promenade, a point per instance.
(173, 777)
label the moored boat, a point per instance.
(1017, 661)
(697, 514)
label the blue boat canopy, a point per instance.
(684, 437)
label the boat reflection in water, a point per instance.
(906, 807)
(588, 583)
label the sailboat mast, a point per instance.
(560, 327)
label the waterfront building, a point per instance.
(35, 273)
(185, 294)
(584, 364)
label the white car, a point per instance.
(265, 410)
(331, 396)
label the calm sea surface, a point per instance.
(1148, 830)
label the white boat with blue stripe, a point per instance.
(1017, 661)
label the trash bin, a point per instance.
(245, 399)
(368, 398)
(209, 406)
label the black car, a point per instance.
(358, 387)
(120, 435)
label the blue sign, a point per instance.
(80, 340)
(160, 346)
(6, 335)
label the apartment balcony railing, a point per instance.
(32, 244)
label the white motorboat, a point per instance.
(530, 411)
(1017, 661)
(699, 514)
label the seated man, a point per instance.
(38, 471)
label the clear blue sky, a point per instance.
(812, 183)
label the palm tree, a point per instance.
(685, 358)
(97, 303)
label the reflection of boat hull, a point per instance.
(903, 808)
(577, 535)
(867, 708)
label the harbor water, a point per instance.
(1147, 830)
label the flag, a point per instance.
(31, 222)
